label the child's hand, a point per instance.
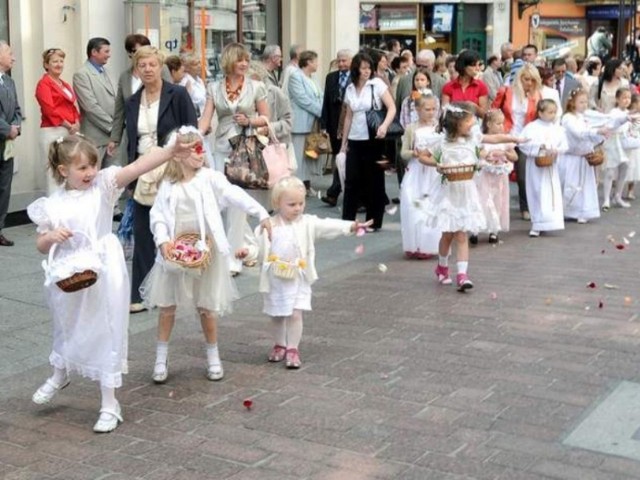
(242, 253)
(60, 235)
(358, 225)
(183, 150)
(520, 140)
(265, 226)
(166, 249)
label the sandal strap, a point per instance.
(112, 412)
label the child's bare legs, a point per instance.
(293, 325)
(51, 386)
(630, 194)
(462, 255)
(209, 324)
(279, 339)
(110, 412)
(166, 320)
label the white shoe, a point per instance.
(108, 420)
(620, 202)
(534, 233)
(160, 372)
(48, 390)
(581, 221)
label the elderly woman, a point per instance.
(59, 114)
(197, 89)
(306, 103)
(466, 87)
(241, 103)
(152, 113)
(518, 103)
(364, 180)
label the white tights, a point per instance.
(619, 174)
(287, 331)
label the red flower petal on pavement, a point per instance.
(620, 246)
(602, 252)
(248, 404)
(591, 285)
(600, 304)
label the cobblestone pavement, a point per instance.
(402, 378)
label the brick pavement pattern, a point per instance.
(402, 378)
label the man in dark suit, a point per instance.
(10, 119)
(335, 85)
(563, 83)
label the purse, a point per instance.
(147, 186)
(376, 117)
(276, 157)
(246, 166)
(317, 143)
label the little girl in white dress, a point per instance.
(420, 181)
(288, 264)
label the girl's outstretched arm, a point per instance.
(150, 160)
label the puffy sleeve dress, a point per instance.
(90, 325)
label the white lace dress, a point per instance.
(89, 326)
(419, 183)
(169, 284)
(456, 205)
(493, 187)
(285, 295)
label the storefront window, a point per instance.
(381, 23)
(183, 26)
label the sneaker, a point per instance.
(534, 233)
(618, 201)
(160, 372)
(277, 353)
(581, 221)
(473, 239)
(292, 358)
(137, 308)
(493, 238)
(463, 282)
(442, 273)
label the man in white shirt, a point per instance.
(294, 54)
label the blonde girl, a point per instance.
(631, 144)
(616, 160)
(189, 200)
(90, 325)
(288, 265)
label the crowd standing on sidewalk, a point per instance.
(455, 134)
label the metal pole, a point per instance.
(620, 40)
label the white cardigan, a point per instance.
(307, 229)
(216, 193)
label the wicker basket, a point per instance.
(284, 270)
(458, 173)
(78, 281)
(596, 157)
(545, 160)
(191, 239)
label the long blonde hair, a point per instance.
(530, 70)
(173, 171)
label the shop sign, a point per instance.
(567, 27)
(607, 12)
(398, 18)
(557, 49)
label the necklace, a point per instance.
(233, 94)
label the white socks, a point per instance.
(462, 267)
(279, 331)
(162, 352)
(443, 261)
(109, 401)
(213, 356)
(294, 329)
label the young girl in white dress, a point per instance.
(288, 264)
(420, 181)
(89, 325)
(421, 87)
(189, 200)
(631, 144)
(544, 193)
(577, 177)
(616, 161)
(455, 208)
(493, 177)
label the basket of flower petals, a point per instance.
(458, 173)
(190, 251)
(596, 157)
(284, 269)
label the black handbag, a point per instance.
(375, 118)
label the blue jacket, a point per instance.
(306, 102)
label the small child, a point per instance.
(631, 146)
(493, 178)
(89, 325)
(577, 177)
(288, 264)
(616, 162)
(544, 193)
(420, 181)
(421, 85)
(189, 200)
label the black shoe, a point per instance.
(117, 217)
(331, 201)
(493, 238)
(5, 242)
(396, 200)
(473, 239)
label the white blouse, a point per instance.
(361, 103)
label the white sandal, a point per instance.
(109, 424)
(160, 372)
(42, 397)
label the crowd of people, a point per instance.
(455, 128)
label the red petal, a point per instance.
(620, 246)
(591, 285)
(600, 304)
(248, 404)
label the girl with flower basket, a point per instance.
(288, 269)
(191, 270)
